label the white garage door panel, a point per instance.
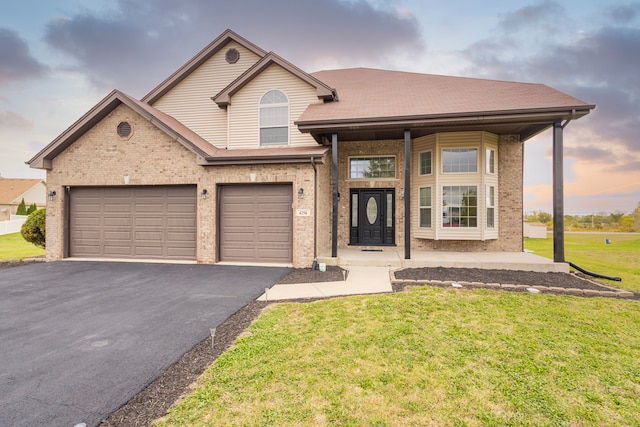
(133, 222)
(256, 223)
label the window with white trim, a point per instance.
(459, 160)
(490, 161)
(491, 206)
(425, 163)
(460, 206)
(274, 118)
(372, 167)
(425, 207)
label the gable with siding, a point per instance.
(244, 107)
(190, 100)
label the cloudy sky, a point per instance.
(58, 59)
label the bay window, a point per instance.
(456, 180)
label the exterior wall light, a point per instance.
(51, 195)
(203, 193)
(301, 193)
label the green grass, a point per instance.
(13, 246)
(428, 356)
(620, 258)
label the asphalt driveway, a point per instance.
(79, 339)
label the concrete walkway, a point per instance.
(370, 270)
(360, 280)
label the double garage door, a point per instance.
(133, 222)
(255, 223)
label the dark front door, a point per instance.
(372, 217)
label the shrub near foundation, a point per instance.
(34, 228)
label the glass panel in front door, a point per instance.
(372, 210)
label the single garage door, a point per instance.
(133, 222)
(256, 223)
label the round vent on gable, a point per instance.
(124, 130)
(232, 55)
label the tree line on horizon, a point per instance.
(602, 221)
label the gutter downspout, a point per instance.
(315, 214)
(558, 189)
(571, 116)
(558, 201)
(558, 194)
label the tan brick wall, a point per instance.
(299, 175)
(510, 196)
(150, 157)
(101, 157)
(349, 149)
(324, 206)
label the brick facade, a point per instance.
(150, 157)
(510, 202)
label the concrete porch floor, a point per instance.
(394, 257)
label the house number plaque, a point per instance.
(303, 212)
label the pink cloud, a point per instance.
(9, 119)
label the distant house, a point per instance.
(12, 191)
(241, 156)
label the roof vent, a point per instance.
(232, 55)
(124, 130)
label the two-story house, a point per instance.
(240, 156)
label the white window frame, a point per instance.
(263, 107)
(449, 218)
(420, 163)
(490, 195)
(490, 161)
(428, 207)
(458, 149)
(395, 167)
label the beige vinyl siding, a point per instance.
(419, 145)
(460, 138)
(244, 131)
(190, 101)
(490, 141)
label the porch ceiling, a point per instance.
(525, 125)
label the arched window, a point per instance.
(274, 118)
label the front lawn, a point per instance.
(428, 356)
(621, 257)
(13, 246)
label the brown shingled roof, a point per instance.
(12, 189)
(370, 95)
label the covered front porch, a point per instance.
(437, 176)
(394, 257)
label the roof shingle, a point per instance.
(366, 93)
